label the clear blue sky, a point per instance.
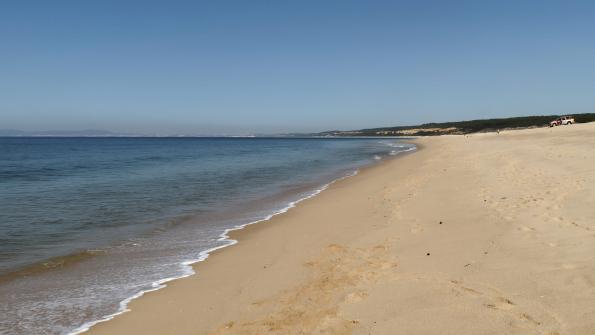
(244, 66)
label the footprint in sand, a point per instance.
(580, 226)
(528, 318)
(497, 302)
(501, 304)
(460, 288)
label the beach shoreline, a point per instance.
(131, 233)
(462, 236)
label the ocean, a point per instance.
(87, 224)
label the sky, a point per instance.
(239, 67)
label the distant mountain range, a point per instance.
(101, 133)
(62, 133)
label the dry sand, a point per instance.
(480, 234)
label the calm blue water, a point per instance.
(141, 206)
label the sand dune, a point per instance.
(479, 234)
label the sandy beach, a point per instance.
(479, 234)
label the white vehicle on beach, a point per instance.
(562, 121)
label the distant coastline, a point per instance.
(426, 129)
(461, 127)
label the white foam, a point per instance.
(401, 148)
(203, 255)
(396, 152)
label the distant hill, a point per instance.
(60, 133)
(100, 133)
(459, 127)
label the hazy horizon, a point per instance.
(186, 67)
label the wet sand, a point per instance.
(480, 234)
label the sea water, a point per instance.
(87, 224)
